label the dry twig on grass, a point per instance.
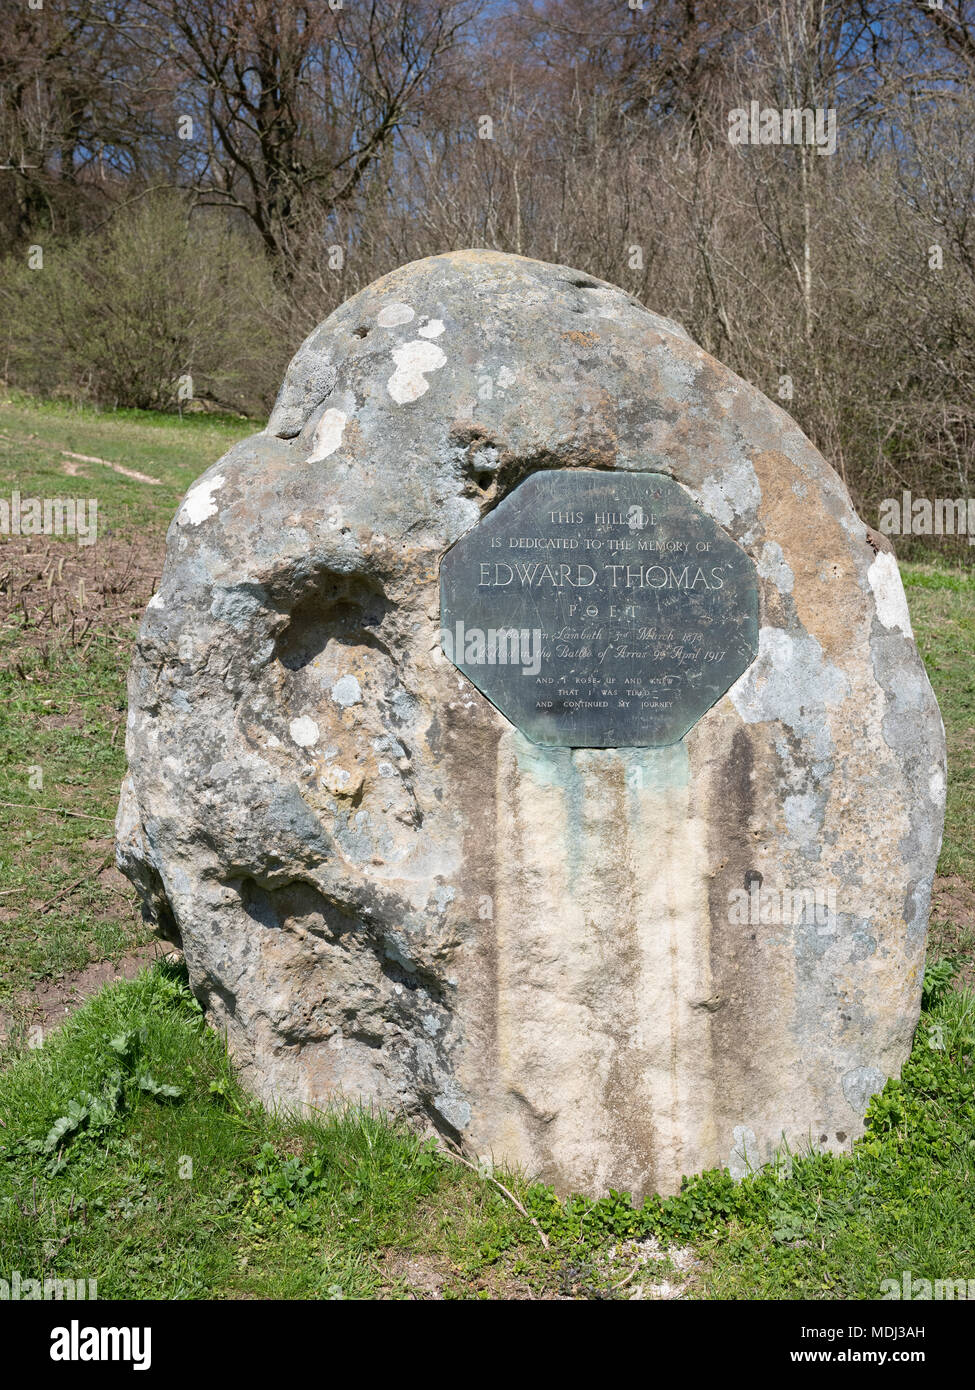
(451, 1152)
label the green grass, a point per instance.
(63, 751)
(203, 1193)
(130, 1155)
(942, 604)
(62, 691)
(33, 434)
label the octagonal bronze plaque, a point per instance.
(599, 609)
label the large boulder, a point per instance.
(569, 958)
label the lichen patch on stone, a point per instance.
(888, 592)
(733, 491)
(771, 564)
(199, 502)
(346, 691)
(328, 435)
(304, 731)
(392, 315)
(413, 360)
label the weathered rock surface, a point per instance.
(384, 890)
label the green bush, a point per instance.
(164, 294)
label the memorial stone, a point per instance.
(526, 738)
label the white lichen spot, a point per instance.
(773, 565)
(328, 435)
(394, 314)
(859, 1084)
(346, 691)
(444, 894)
(413, 360)
(405, 706)
(304, 731)
(433, 329)
(790, 680)
(506, 378)
(157, 601)
(198, 503)
(340, 782)
(732, 492)
(888, 592)
(936, 786)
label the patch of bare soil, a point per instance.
(953, 923)
(57, 593)
(423, 1275)
(953, 900)
(47, 1006)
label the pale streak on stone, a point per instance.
(556, 990)
(328, 435)
(888, 591)
(413, 360)
(198, 503)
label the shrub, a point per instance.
(162, 294)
